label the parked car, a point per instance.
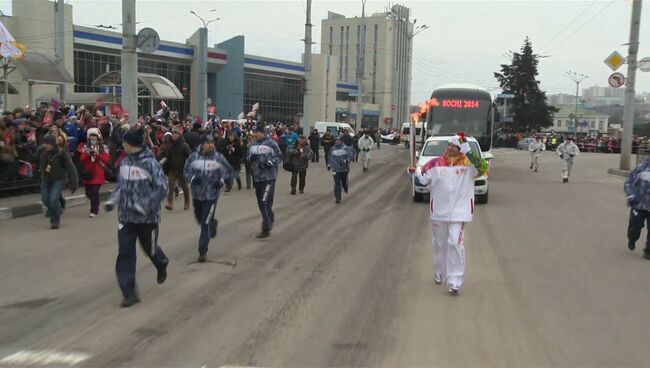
(435, 147)
(524, 143)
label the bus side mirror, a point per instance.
(417, 154)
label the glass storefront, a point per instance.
(280, 97)
(90, 65)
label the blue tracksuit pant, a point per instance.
(264, 190)
(204, 212)
(127, 236)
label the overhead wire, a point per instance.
(582, 26)
(568, 25)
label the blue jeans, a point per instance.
(340, 180)
(50, 193)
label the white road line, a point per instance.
(44, 357)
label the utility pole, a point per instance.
(577, 79)
(361, 64)
(307, 98)
(202, 51)
(628, 110)
(129, 61)
(59, 41)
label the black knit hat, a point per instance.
(49, 139)
(134, 137)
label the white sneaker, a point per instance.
(437, 278)
(453, 290)
(92, 215)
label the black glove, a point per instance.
(571, 155)
(562, 157)
(632, 202)
(329, 168)
(109, 206)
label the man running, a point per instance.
(264, 156)
(142, 186)
(207, 171)
(366, 144)
(567, 150)
(536, 148)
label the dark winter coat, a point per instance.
(176, 153)
(61, 167)
(300, 157)
(264, 156)
(206, 174)
(232, 151)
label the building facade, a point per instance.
(235, 80)
(588, 122)
(368, 63)
(599, 96)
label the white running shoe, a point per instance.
(437, 278)
(92, 215)
(453, 290)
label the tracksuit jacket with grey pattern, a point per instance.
(142, 186)
(637, 187)
(264, 156)
(340, 157)
(207, 173)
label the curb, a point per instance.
(7, 213)
(623, 173)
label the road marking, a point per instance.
(44, 357)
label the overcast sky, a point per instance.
(466, 41)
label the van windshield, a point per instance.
(437, 148)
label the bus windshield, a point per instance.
(462, 110)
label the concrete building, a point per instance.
(561, 99)
(363, 72)
(588, 121)
(235, 80)
(603, 95)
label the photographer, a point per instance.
(94, 160)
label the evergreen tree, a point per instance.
(529, 106)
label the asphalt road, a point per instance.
(550, 281)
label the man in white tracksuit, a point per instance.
(365, 146)
(451, 206)
(536, 148)
(567, 151)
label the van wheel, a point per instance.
(482, 198)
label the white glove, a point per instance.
(465, 148)
(455, 140)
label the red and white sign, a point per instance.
(616, 80)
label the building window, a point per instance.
(280, 98)
(347, 50)
(602, 126)
(374, 64)
(592, 125)
(345, 96)
(88, 66)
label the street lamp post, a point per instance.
(202, 55)
(577, 79)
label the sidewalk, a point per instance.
(30, 204)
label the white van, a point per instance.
(420, 134)
(334, 128)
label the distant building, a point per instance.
(371, 91)
(588, 121)
(603, 95)
(561, 99)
